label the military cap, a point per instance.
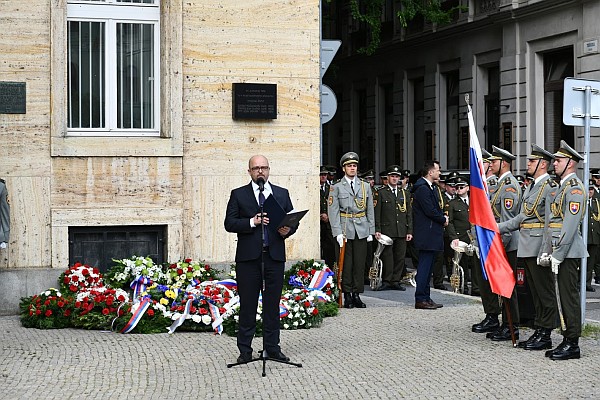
(460, 180)
(406, 173)
(443, 176)
(591, 183)
(501, 154)
(485, 155)
(520, 179)
(383, 174)
(595, 172)
(451, 178)
(349, 158)
(537, 153)
(566, 151)
(367, 174)
(394, 170)
(324, 170)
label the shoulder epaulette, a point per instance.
(507, 181)
(574, 182)
(335, 182)
(552, 183)
(2, 180)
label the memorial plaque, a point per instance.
(254, 101)
(12, 97)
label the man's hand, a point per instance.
(447, 220)
(555, 264)
(377, 235)
(258, 220)
(454, 243)
(284, 230)
(324, 217)
(409, 237)
(340, 239)
(370, 238)
(544, 260)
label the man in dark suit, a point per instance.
(327, 241)
(243, 217)
(429, 221)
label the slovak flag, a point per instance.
(494, 263)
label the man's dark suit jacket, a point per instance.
(241, 207)
(428, 218)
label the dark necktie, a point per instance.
(261, 201)
(352, 186)
(395, 193)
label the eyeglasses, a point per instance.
(255, 169)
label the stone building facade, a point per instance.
(128, 144)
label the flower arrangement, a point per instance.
(95, 308)
(80, 277)
(318, 278)
(299, 310)
(184, 273)
(129, 269)
(48, 310)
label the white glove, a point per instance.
(544, 260)
(370, 238)
(3, 245)
(555, 264)
(340, 239)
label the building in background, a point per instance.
(405, 103)
(126, 144)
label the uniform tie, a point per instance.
(352, 186)
(395, 194)
(261, 202)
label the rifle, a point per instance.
(340, 269)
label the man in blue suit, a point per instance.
(243, 217)
(429, 221)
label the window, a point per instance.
(113, 67)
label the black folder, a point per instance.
(278, 217)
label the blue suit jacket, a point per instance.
(428, 218)
(241, 207)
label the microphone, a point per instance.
(261, 184)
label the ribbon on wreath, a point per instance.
(139, 286)
(215, 314)
(137, 315)
(186, 312)
(319, 279)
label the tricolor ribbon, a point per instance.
(319, 279)
(139, 286)
(215, 314)
(283, 311)
(177, 323)
(137, 316)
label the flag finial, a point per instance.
(467, 98)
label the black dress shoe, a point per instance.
(541, 342)
(568, 350)
(277, 355)
(504, 334)
(348, 302)
(384, 286)
(424, 305)
(531, 338)
(398, 286)
(439, 287)
(245, 357)
(489, 324)
(589, 288)
(357, 301)
(433, 303)
(558, 348)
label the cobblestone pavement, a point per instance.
(388, 350)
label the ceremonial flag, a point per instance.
(494, 263)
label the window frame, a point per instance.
(111, 14)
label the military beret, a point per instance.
(566, 151)
(538, 153)
(501, 154)
(349, 158)
(394, 170)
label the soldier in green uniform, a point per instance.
(593, 242)
(459, 227)
(352, 218)
(327, 241)
(446, 191)
(531, 221)
(564, 214)
(369, 176)
(4, 215)
(393, 218)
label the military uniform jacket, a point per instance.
(4, 213)
(458, 220)
(324, 195)
(565, 208)
(594, 221)
(531, 219)
(350, 213)
(505, 201)
(393, 214)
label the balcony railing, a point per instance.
(483, 7)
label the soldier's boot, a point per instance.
(357, 301)
(568, 349)
(542, 341)
(489, 324)
(531, 338)
(348, 302)
(503, 333)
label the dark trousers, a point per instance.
(249, 280)
(568, 278)
(591, 261)
(541, 285)
(327, 245)
(355, 256)
(489, 300)
(424, 270)
(513, 301)
(393, 258)
(438, 268)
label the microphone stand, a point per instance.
(264, 356)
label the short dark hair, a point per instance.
(428, 166)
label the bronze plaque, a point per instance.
(12, 97)
(254, 101)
